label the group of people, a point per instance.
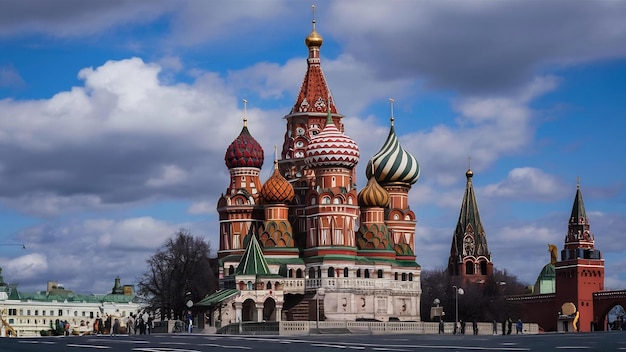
(111, 325)
(459, 326)
(63, 327)
(507, 327)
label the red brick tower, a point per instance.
(580, 272)
(238, 208)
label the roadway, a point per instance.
(599, 341)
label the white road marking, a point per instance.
(88, 346)
(225, 346)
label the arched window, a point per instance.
(395, 276)
(290, 273)
(403, 276)
(299, 273)
(326, 200)
(231, 270)
(311, 273)
(331, 272)
(410, 276)
(358, 272)
(380, 273)
(336, 201)
(249, 285)
(345, 272)
(268, 286)
(367, 273)
(483, 268)
(319, 271)
(469, 268)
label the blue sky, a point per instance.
(115, 116)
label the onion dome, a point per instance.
(313, 39)
(373, 195)
(277, 189)
(244, 151)
(331, 148)
(392, 164)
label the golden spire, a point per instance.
(275, 157)
(469, 172)
(391, 101)
(245, 119)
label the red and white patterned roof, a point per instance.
(332, 148)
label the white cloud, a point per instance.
(203, 207)
(170, 175)
(24, 267)
(528, 183)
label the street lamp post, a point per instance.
(457, 291)
(318, 295)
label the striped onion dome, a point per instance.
(373, 195)
(393, 164)
(277, 189)
(331, 148)
(244, 151)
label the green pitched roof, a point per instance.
(578, 209)
(216, 297)
(469, 217)
(253, 262)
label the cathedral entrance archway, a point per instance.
(269, 310)
(248, 310)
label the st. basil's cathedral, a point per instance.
(305, 244)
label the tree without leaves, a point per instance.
(482, 302)
(179, 271)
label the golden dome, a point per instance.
(373, 195)
(277, 189)
(313, 39)
(469, 173)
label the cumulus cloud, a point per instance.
(202, 207)
(477, 47)
(118, 138)
(25, 267)
(75, 18)
(528, 183)
(68, 251)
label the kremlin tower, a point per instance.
(307, 238)
(470, 258)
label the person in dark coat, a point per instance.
(475, 327)
(510, 326)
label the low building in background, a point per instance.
(27, 314)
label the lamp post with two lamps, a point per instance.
(457, 291)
